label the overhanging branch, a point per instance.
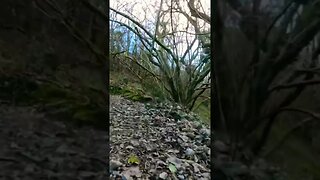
(310, 113)
(295, 84)
(196, 13)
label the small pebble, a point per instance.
(129, 147)
(115, 164)
(189, 152)
(163, 175)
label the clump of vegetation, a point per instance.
(179, 76)
(50, 96)
(131, 93)
(81, 107)
(126, 86)
(153, 58)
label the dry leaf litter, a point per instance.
(166, 143)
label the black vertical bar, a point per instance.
(215, 112)
(107, 70)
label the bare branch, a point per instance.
(275, 20)
(295, 84)
(206, 87)
(313, 70)
(10, 27)
(145, 30)
(310, 113)
(73, 30)
(196, 13)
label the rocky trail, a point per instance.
(157, 141)
(147, 142)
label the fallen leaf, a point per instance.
(133, 159)
(172, 168)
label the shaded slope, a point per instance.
(37, 147)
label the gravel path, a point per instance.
(148, 143)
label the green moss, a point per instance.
(140, 98)
(115, 90)
(90, 116)
(131, 93)
(153, 89)
(80, 105)
(204, 112)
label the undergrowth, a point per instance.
(124, 84)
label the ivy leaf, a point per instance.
(133, 159)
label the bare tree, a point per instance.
(258, 61)
(170, 52)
